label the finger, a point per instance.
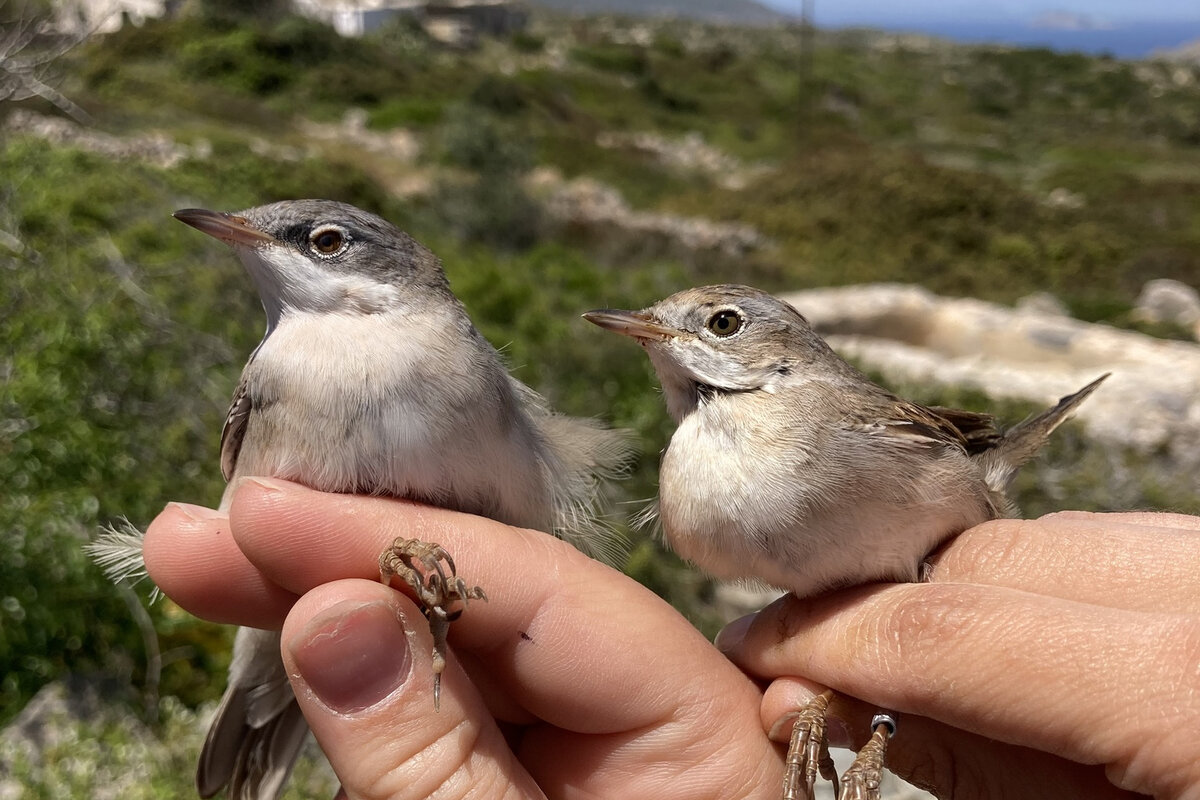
(1091, 558)
(189, 552)
(358, 655)
(1091, 684)
(554, 621)
(533, 615)
(1152, 519)
(945, 761)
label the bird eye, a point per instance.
(726, 322)
(327, 241)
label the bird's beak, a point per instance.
(637, 324)
(230, 229)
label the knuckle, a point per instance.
(994, 545)
(1162, 711)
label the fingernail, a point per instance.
(352, 656)
(730, 637)
(196, 513)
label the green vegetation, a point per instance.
(123, 332)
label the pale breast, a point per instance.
(379, 404)
(748, 492)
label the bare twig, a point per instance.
(28, 49)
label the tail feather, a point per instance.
(1024, 440)
(258, 729)
(254, 762)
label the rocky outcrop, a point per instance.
(689, 153)
(155, 148)
(1172, 302)
(1151, 403)
(600, 211)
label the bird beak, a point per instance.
(637, 324)
(230, 229)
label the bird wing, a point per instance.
(978, 430)
(905, 422)
(235, 428)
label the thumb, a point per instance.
(359, 658)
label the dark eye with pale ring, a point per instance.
(726, 322)
(327, 241)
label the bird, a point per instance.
(372, 379)
(790, 467)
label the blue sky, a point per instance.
(875, 12)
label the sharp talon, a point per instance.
(429, 571)
(861, 780)
(808, 750)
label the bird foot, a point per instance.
(861, 779)
(808, 749)
(442, 595)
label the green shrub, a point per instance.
(613, 58)
(405, 111)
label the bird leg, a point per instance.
(442, 595)
(808, 749)
(861, 779)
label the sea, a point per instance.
(1134, 40)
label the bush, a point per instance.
(123, 336)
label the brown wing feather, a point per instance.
(921, 425)
(978, 430)
(235, 429)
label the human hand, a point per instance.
(571, 681)
(1057, 657)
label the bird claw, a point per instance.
(808, 750)
(428, 569)
(861, 780)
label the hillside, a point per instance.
(568, 167)
(738, 12)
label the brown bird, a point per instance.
(790, 467)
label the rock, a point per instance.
(908, 334)
(1065, 198)
(590, 205)
(155, 148)
(1165, 300)
(397, 143)
(689, 153)
(59, 718)
(1042, 303)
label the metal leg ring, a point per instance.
(884, 719)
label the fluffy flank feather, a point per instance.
(118, 552)
(591, 456)
(647, 518)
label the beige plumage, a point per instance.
(790, 467)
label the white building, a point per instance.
(85, 17)
(452, 21)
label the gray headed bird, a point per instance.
(372, 379)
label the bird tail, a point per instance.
(1024, 440)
